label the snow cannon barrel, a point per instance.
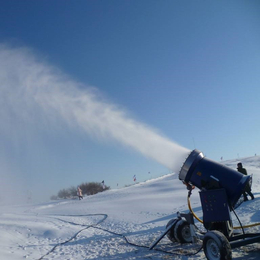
(206, 174)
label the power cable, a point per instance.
(73, 237)
(238, 220)
(105, 216)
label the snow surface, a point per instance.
(116, 224)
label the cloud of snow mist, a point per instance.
(35, 96)
(13, 187)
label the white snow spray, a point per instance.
(35, 95)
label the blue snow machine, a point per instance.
(220, 192)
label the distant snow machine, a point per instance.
(220, 189)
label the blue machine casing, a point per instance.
(205, 173)
(215, 205)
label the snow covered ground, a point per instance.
(116, 224)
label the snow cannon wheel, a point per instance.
(216, 246)
(170, 234)
(182, 232)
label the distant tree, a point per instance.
(91, 188)
(63, 194)
(73, 191)
(54, 197)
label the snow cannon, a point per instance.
(206, 174)
(220, 191)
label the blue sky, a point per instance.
(190, 69)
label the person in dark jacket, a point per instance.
(248, 188)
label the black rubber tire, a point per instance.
(216, 246)
(250, 181)
(170, 234)
(182, 232)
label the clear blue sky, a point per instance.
(190, 69)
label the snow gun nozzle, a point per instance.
(206, 174)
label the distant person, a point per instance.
(103, 184)
(248, 187)
(79, 193)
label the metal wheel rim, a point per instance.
(212, 250)
(186, 233)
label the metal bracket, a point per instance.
(163, 235)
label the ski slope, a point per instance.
(116, 224)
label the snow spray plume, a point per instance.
(35, 91)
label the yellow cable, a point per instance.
(194, 215)
(201, 221)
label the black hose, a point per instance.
(105, 216)
(238, 220)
